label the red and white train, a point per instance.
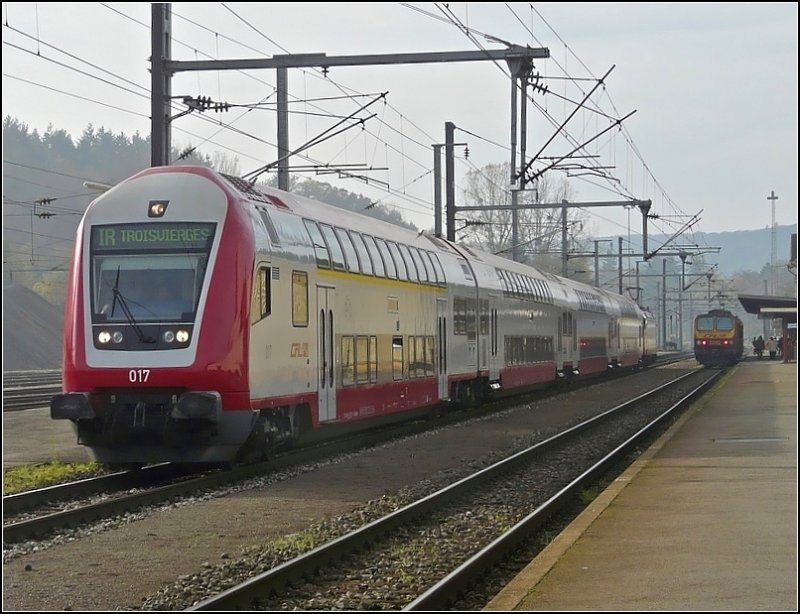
(207, 321)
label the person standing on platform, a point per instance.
(759, 345)
(788, 348)
(772, 348)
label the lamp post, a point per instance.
(773, 258)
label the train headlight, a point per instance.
(117, 337)
(168, 336)
(182, 336)
(103, 337)
(157, 208)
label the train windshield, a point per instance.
(149, 272)
(709, 323)
(705, 323)
(724, 323)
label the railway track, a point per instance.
(29, 389)
(31, 514)
(412, 545)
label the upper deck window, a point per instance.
(320, 247)
(337, 255)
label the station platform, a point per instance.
(706, 519)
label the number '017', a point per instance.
(138, 376)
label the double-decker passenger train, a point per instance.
(209, 321)
(718, 338)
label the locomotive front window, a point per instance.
(705, 323)
(724, 323)
(154, 272)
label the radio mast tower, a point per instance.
(774, 256)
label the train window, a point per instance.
(388, 261)
(429, 354)
(337, 255)
(466, 269)
(402, 272)
(484, 316)
(724, 323)
(509, 284)
(362, 359)
(705, 323)
(440, 276)
(413, 272)
(536, 290)
(527, 283)
(523, 287)
(545, 291)
(261, 305)
(362, 251)
(472, 316)
(419, 356)
(397, 358)
(514, 347)
(459, 316)
(512, 281)
(299, 298)
(375, 254)
(433, 273)
(349, 251)
(426, 273)
(502, 276)
(373, 359)
(527, 292)
(348, 361)
(320, 248)
(273, 234)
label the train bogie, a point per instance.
(298, 319)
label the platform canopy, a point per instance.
(768, 307)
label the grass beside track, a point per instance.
(30, 477)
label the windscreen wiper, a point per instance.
(126, 310)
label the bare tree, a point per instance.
(539, 230)
(223, 163)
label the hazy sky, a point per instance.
(713, 87)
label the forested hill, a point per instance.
(741, 250)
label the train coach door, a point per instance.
(441, 345)
(494, 341)
(566, 340)
(326, 351)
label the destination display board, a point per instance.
(149, 236)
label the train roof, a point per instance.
(564, 290)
